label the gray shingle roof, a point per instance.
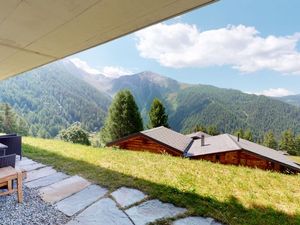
(169, 137)
(198, 134)
(227, 142)
(213, 144)
(265, 151)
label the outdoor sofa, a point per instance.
(13, 143)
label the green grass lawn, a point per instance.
(296, 158)
(233, 195)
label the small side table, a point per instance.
(7, 175)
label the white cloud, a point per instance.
(84, 66)
(182, 45)
(109, 71)
(115, 71)
(274, 92)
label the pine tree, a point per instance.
(240, 132)
(287, 142)
(199, 127)
(157, 114)
(270, 141)
(212, 130)
(9, 122)
(248, 135)
(1, 120)
(123, 118)
(297, 145)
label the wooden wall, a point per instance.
(243, 158)
(143, 143)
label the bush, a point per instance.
(75, 134)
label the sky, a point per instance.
(249, 45)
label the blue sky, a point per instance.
(253, 46)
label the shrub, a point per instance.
(75, 134)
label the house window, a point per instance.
(271, 165)
(218, 157)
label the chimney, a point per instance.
(238, 137)
(202, 140)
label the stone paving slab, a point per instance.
(48, 180)
(128, 196)
(81, 200)
(103, 212)
(196, 221)
(31, 167)
(153, 210)
(62, 189)
(36, 174)
(24, 162)
(23, 158)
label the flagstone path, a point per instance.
(90, 204)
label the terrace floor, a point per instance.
(82, 202)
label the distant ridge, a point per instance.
(291, 99)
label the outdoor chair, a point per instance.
(8, 160)
(8, 174)
(2, 149)
(13, 143)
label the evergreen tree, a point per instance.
(199, 127)
(123, 118)
(240, 132)
(297, 145)
(11, 122)
(157, 114)
(287, 142)
(212, 130)
(270, 141)
(248, 135)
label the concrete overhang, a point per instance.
(36, 32)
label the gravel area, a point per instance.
(33, 211)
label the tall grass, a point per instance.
(233, 195)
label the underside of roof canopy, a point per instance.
(36, 32)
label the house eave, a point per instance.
(35, 33)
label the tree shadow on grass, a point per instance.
(228, 212)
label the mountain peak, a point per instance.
(155, 77)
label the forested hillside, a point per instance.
(145, 87)
(189, 105)
(54, 96)
(231, 109)
(51, 98)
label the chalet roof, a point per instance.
(198, 134)
(169, 137)
(213, 144)
(227, 142)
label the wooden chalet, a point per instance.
(224, 148)
(156, 140)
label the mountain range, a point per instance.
(54, 96)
